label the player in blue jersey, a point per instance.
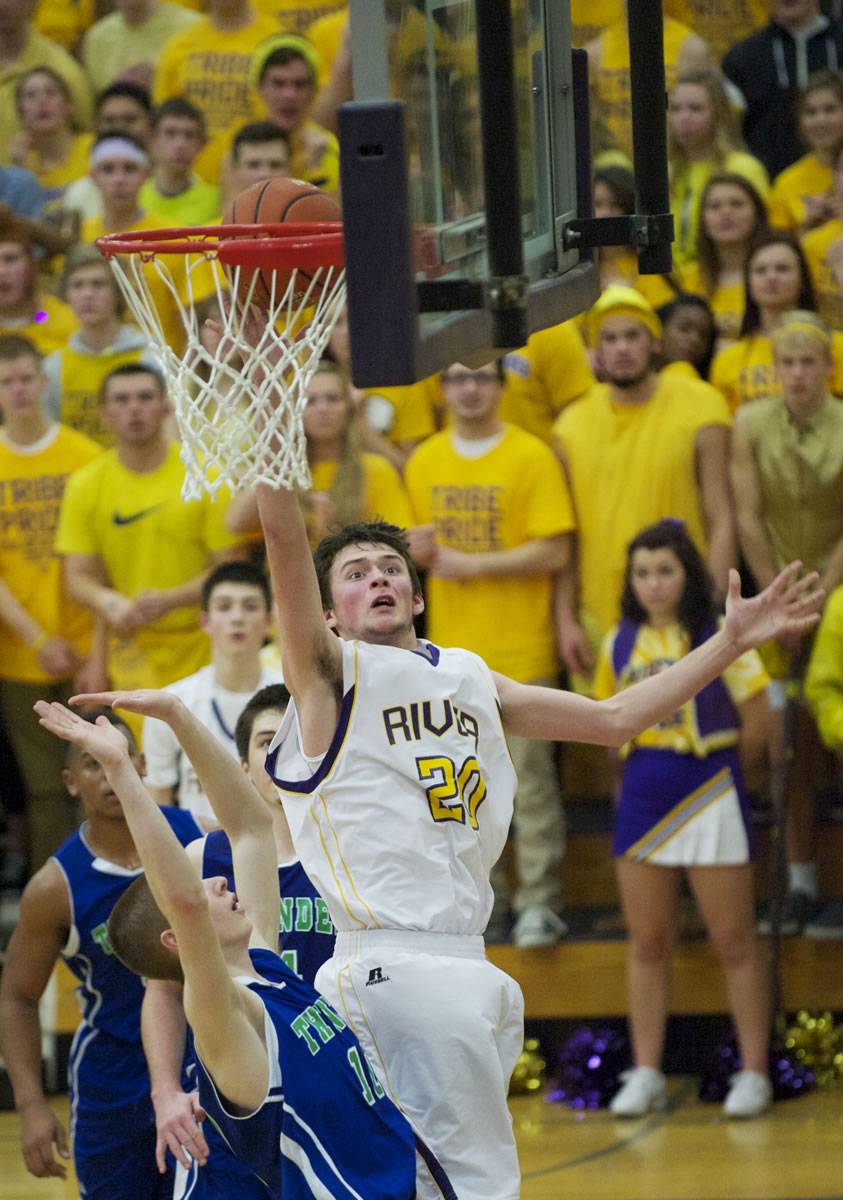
(279, 1071)
(64, 913)
(305, 941)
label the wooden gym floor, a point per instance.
(687, 1153)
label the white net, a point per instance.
(240, 386)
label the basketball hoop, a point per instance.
(238, 401)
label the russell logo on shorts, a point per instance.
(376, 975)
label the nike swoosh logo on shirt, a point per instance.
(118, 519)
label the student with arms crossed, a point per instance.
(64, 911)
(279, 1071)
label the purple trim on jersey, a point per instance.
(430, 654)
(305, 786)
(437, 1171)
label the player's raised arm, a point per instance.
(788, 605)
(234, 799)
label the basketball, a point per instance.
(272, 201)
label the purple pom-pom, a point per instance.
(788, 1075)
(585, 1075)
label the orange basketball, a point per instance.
(273, 201)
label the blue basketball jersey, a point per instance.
(112, 1119)
(306, 932)
(326, 1127)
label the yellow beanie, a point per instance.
(285, 41)
(619, 301)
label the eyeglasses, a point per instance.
(462, 378)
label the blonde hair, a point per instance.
(726, 138)
(798, 327)
(348, 487)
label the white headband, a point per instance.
(118, 147)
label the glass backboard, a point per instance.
(461, 139)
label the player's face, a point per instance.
(691, 115)
(85, 779)
(775, 276)
(228, 918)
(119, 180)
(802, 369)
(43, 106)
(288, 92)
(658, 580)
(372, 594)
(821, 119)
(257, 161)
(237, 620)
(326, 412)
(626, 350)
(90, 293)
(122, 113)
(728, 214)
(473, 396)
(264, 728)
(22, 384)
(135, 409)
(176, 142)
(15, 274)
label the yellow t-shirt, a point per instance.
(141, 529)
(629, 466)
(745, 371)
(824, 677)
(39, 51)
(827, 291)
(786, 202)
(51, 332)
(611, 78)
(590, 17)
(201, 276)
(199, 205)
(74, 166)
(720, 24)
(79, 375)
(297, 16)
(111, 46)
(383, 491)
(32, 480)
(654, 651)
(325, 35)
(405, 414)
(63, 20)
(686, 188)
(727, 303)
(551, 371)
(513, 494)
(210, 67)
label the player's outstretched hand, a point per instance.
(789, 605)
(40, 1129)
(103, 741)
(149, 702)
(178, 1129)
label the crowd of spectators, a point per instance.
(522, 483)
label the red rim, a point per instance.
(288, 244)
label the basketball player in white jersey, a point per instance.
(398, 790)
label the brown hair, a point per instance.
(134, 930)
(348, 487)
(725, 137)
(707, 254)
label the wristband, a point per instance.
(39, 642)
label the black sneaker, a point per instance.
(828, 923)
(798, 909)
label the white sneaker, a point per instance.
(750, 1094)
(538, 927)
(643, 1091)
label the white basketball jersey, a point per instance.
(400, 822)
